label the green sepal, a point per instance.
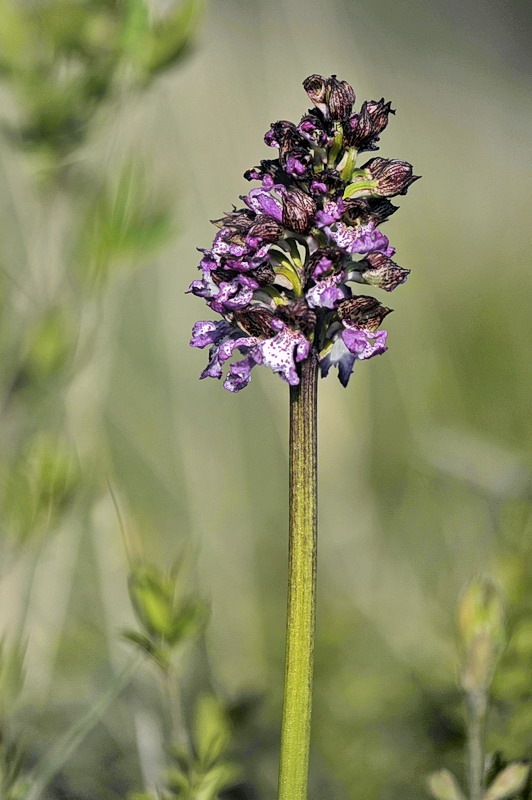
(360, 187)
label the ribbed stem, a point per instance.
(302, 556)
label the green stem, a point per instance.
(477, 708)
(297, 704)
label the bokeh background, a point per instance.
(425, 466)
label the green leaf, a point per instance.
(444, 786)
(509, 782)
(50, 346)
(142, 642)
(66, 745)
(188, 622)
(15, 37)
(152, 598)
(172, 35)
(141, 796)
(136, 29)
(124, 224)
(211, 730)
(12, 671)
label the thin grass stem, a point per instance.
(476, 734)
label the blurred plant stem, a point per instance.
(172, 695)
(477, 705)
(297, 703)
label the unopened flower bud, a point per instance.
(324, 261)
(379, 270)
(316, 88)
(340, 98)
(362, 130)
(481, 627)
(363, 311)
(378, 112)
(392, 176)
(265, 228)
(298, 316)
(255, 321)
(298, 210)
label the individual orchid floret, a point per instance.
(363, 130)
(378, 270)
(281, 270)
(392, 177)
(298, 210)
(332, 97)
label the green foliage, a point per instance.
(511, 687)
(12, 672)
(50, 347)
(39, 486)
(167, 615)
(62, 63)
(12, 786)
(171, 37)
(123, 225)
(481, 625)
(64, 58)
(203, 772)
(444, 786)
(482, 632)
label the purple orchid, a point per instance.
(279, 268)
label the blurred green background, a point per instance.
(425, 466)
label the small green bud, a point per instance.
(444, 786)
(50, 346)
(509, 782)
(152, 597)
(212, 732)
(161, 609)
(481, 627)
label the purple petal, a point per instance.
(262, 202)
(282, 351)
(223, 246)
(328, 292)
(338, 356)
(207, 332)
(295, 166)
(332, 212)
(364, 344)
(231, 296)
(318, 187)
(359, 239)
(239, 374)
(323, 266)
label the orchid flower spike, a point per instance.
(281, 269)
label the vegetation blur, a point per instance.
(144, 513)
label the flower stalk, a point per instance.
(301, 614)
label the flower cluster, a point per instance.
(281, 268)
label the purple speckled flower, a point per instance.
(281, 269)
